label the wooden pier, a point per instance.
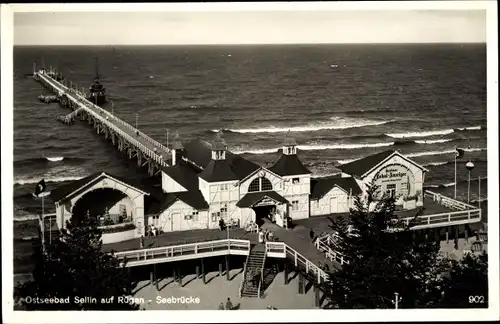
(127, 138)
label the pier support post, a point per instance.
(466, 233)
(174, 274)
(447, 234)
(286, 273)
(317, 297)
(197, 272)
(155, 276)
(151, 277)
(203, 276)
(437, 234)
(227, 268)
(301, 283)
(220, 269)
(456, 237)
(179, 275)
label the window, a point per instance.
(295, 180)
(224, 187)
(295, 205)
(391, 190)
(215, 217)
(223, 211)
(193, 216)
(260, 184)
(315, 204)
(156, 220)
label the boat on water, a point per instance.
(97, 92)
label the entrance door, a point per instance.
(333, 205)
(175, 220)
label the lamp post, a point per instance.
(469, 165)
(396, 300)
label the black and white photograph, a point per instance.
(214, 157)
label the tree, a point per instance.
(383, 262)
(466, 284)
(75, 271)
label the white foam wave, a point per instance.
(346, 161)
(435, 163)
(55, 159)
(337, 123)
(23, 181)
(261, 151)
(433, 141)
(441, 152)
(319, 147)
(421, 134)
(324, 175)
(342, 146)
(470, 128)
(449, 184)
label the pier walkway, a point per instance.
(128, 138)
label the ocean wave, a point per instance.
(444, 140)
(427, 153)
(318, 147)
(47, 160)
(421, 134)
(336, 123)
(33, 180)
(471, 128)
(436, 163)
(347, 161)
(55, 159)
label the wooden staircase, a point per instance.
(253, 273)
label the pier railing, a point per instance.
(277, 249)
(184, 251)
(447, 201)
(91, 109)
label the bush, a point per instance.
(120, 228)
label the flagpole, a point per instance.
(479, 193)
(43, 227)
(455, 153)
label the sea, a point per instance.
(339, 102)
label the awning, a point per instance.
(261, 198)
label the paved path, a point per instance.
(298, 239)
(183, 237)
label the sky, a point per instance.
(247, 27)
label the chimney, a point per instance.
(177, 147)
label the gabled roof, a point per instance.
(200, 152)
(217, 171)
(288, 165)
(363, 166)
(321, 186)
(258, 170)
(163, 201)
(66, 190)
(252, 198)
(184, 174)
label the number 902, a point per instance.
(476, 299)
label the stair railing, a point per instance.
(261, 281)
(244, 273)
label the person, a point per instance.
(311, 234)
(270, 236)
(221, 306)
(229, 304)
(221, 224)
(142, 242)
(261, 236)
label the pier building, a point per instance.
(203, 182)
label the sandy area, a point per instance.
(218, 289)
